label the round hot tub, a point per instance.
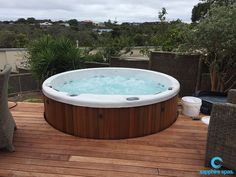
(110, 103)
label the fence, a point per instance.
(187, 69)
(130, 62)
(25, 82)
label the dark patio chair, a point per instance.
(7, 123)
(221, 140)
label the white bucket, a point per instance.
(191, 106)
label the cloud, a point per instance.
(102, 10)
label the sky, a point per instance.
(97, 10)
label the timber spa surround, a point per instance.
(110, 103)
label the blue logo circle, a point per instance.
(214, 165)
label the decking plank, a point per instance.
(45, 152)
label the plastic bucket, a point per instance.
(191, 106)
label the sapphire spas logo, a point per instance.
(216, 163)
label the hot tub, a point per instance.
(110, 103)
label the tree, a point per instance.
(73, 22)
(171, 37)
(162, 14)
(139, 40)
(175, 36)
(31, 20)
(108, 24)
(220, 2)
(109, 47)
(21, 40)
(199, 11)
(9, 39)
(116, 32)
(21, 20)
(215, 38)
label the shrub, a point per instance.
(97, 57)
(48, 56)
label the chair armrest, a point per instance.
(223, 122)
(224, 111)
(232, 96)
(221, 139)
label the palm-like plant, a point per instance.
(48, 56)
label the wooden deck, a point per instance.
(45, 152)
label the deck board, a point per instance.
(45, 152)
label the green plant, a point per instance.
(48, 56)
(9, 39)
(202, 8)
(114, 46)
(162, 14)
(145, 51)
(171, 37)
(94, 57)
(215, 38)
